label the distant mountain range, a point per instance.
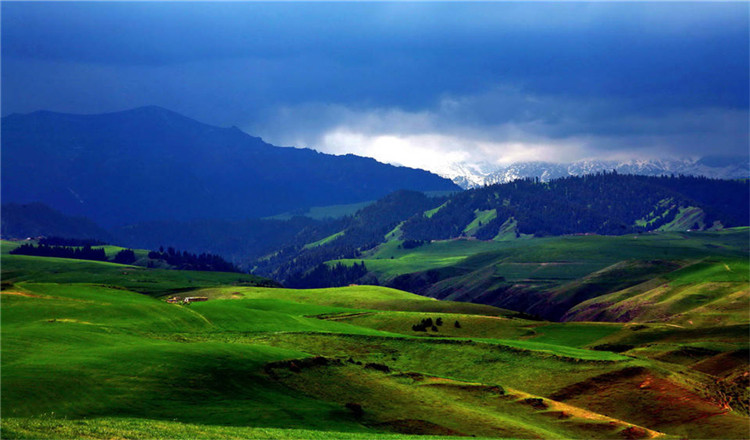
(472, 175)
(150, 163)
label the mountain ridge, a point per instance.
(150, 163)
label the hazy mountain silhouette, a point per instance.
(151, 163)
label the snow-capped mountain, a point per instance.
(470, 175)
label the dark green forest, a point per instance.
(608, 204)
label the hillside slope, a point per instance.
(153, 164)
(661, 276)
(603, 204)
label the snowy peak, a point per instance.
(471, 175)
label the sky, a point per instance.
(417, 84)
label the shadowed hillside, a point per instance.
(153, 164)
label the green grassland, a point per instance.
(686, 218)
(50, 427)
(395, 233)
(18, 268)
(710, 292)
(594, 251)
(325, 240)
(389, 260)
(6, 246)
(483, 327)
(431, 212)
(93, 350)
(575, 277)
(480, 218)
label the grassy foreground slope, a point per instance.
(99, 360)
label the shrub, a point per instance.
(125, 256)
(378, 367)
(355, 408)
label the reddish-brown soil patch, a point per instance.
(725, 364)
(649, 399)
(634, 432)
(687, 355)
(535, 403)
(596, 383)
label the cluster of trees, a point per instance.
(324, 275)
(80, 252)
(125, 256)
(186, 261)
(427, 323)
(60, 241)
(240, 241)
(43, 250)
(411, 244)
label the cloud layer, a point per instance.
(411, 83)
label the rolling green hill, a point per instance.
(17, 268)
(92, 350)
(554, 276)
(709, 292)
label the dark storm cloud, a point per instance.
(669, 75)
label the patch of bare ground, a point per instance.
(725, 363)
(654, 400)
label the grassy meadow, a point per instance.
(93, 350)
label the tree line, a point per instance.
(188, 261)
(61, 241)
(179, 260)
(324, 275)
(43, 250)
